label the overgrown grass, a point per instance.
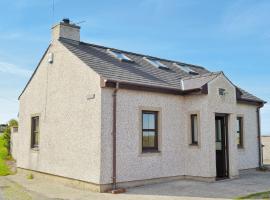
(4, 169)
(260, 195)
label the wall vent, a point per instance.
(50, 58)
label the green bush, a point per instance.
(3, 153)
(5, 148)
(6, 138)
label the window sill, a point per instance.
(193, 146)
(150, 153)
(35, 149)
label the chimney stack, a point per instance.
(67, 30)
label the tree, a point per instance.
(7, 132)
(13, 122)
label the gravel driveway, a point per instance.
(20, 188)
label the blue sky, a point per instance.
(232, 36)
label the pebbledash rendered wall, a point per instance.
(249, 155)
(76, 131)
(176, 156)
(70, 123)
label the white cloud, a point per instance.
(9, 68)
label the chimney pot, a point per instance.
(66, 20)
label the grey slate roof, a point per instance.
(142, 72)
(249, 97)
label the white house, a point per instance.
(107, 118)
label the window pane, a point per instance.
(145, 121)
(35, 132)
(148, 139)
(37, 123)
(151, 122)
(156, 63)
(238, 124)
(238, 138)
(218, 130)
(195, 128)
(119, 55)
(36, 139)
(148, 121)
(239, 132)
(145, 139)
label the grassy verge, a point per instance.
(260, 195)
(4, 168)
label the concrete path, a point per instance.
(249, 182)
(18, 187)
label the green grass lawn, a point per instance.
(260, 195)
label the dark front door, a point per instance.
(221, 147)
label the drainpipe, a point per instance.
(114, 135)
(259, 136)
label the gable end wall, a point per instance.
(70, 123)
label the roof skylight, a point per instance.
(119, 55)
(156, 63)
(185, 68)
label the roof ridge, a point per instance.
(139, 54)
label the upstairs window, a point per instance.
(239, 132)
(149, 131)
(35, 132)
(221, 91)
(194, 129)
(120, 56)
(156, 63)
(186, 69)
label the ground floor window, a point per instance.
(149, 131)
(239, 132)
(194, 129)
(35, 132)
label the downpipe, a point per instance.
(259, 137)
(114, 135)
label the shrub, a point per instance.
(5, 148)
(5, 138)
(3, 153)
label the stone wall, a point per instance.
(266, 149)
